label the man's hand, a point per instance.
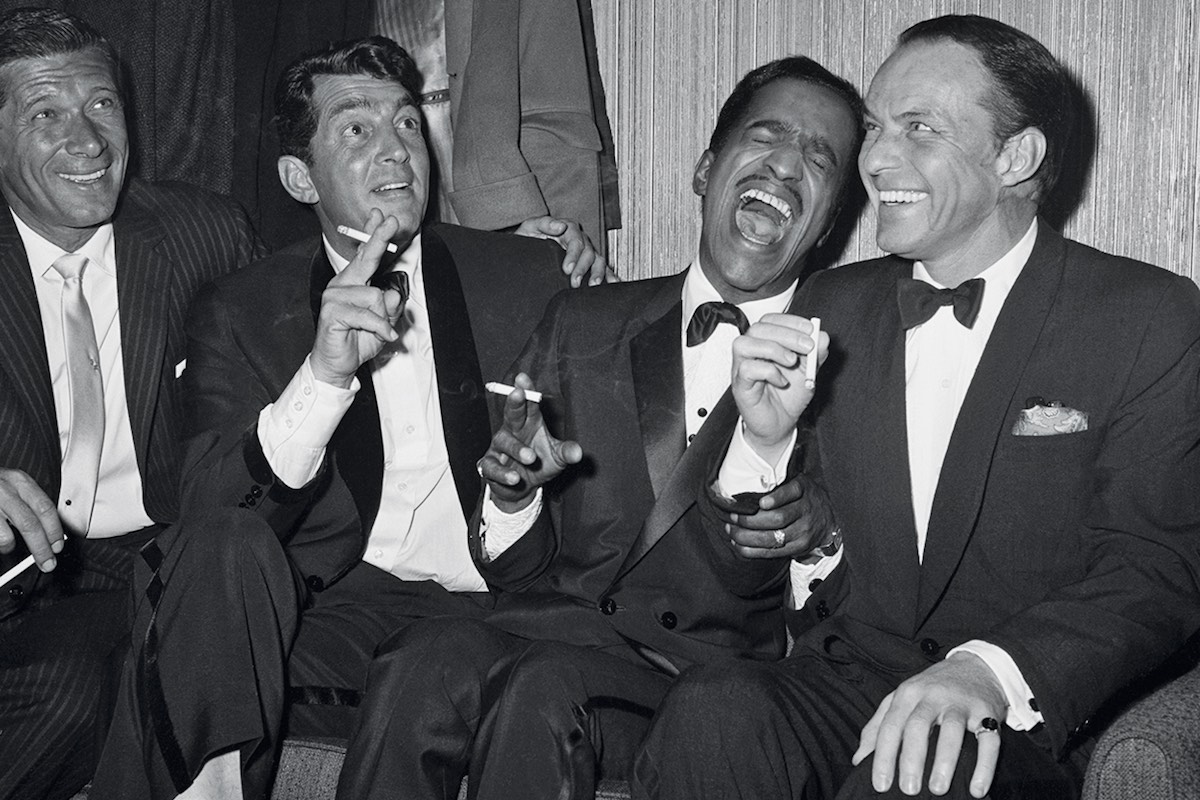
(583, 260)
(523, 455)
(957, 694)
(26, 510)
(356, 319)
(798, 507)
(768, 379)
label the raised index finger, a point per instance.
(366, 263)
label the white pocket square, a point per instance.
(180, 367)
(1044, 418)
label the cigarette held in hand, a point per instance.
(25, 564)
(358, 235)
(810, 363)
(504, 389)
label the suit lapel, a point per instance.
(357, 444)
(460, 385)
(23, 358)
(685, 481)
(881, 432)
(984, 416)
(144, 278)
(657, 366)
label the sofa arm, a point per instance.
(1152, 750)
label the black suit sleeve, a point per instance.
(1138, 598)
(224, 393)
(522, 564)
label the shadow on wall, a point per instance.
(1076, 169)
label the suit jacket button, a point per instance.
(256, 491)
(822, 610)
(315, 583)
(930, 647)
(669, 620)
(813, 584)
(608, 606)
(16, 592)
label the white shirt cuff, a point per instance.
(295, 430)
(803, 575)
(500, 530)
(1021, 714)
(744, 470)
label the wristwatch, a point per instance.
(826, 550)
(832, 546)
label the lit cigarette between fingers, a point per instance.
(810, 363)
(359, 236)
(504, 389)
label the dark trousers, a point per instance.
(789, 729)
(227, 640)
(524, 717)
(60, 656)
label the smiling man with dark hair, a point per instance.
(97, 273)
(1009, 434)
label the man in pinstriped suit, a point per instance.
(63, 154)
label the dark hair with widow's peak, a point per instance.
(375, 56)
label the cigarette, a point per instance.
(504, 389)
(810, 363)
(358, 235)
(25, 564)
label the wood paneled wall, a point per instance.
(668, 65)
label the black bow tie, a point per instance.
(708, 316)
(396, 279)
(919, 301)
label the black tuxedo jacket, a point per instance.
(627, 547)
(1076, 553)
(249, 334)
(169, 241)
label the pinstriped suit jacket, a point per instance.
(170, 240)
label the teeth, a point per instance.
(901, 196)
(84, 178)
(390, 186)
(777, 203)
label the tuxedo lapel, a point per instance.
(984, 416)
(685, 481)
(880, 430)
(144, 279)
(460, 385)
(357, 444)
(657, 365)
(23, 361)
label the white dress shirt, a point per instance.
(119, 507)
(420, 532)
(707, 368)
(940, 357)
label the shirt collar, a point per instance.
(1000, 276)
(42, 253)
(697, 289)
(409, 261)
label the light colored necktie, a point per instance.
(81, 461)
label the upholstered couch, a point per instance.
(1149, 752)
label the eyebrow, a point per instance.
(350, 104)
(819, 143)
(355, 103)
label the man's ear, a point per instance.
(293, 174)
(700, 174)
(1020, 156)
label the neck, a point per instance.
(986, 246)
